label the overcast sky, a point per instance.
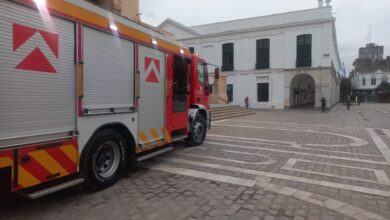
(354, 17)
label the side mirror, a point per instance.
(216, 73)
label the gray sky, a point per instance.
(354, 17)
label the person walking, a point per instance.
(323, 104)
(348, 102)
(246, 102)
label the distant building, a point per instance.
(126, 8)
(371, 52)
(279, 61)
(371, 69)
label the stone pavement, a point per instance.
(293, 164)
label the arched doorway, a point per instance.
(302, 93)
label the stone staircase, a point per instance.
(228, 111)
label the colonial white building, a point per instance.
(364, 84)
(279, 61)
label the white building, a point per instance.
(278, 61)
(364, 84)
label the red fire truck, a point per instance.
(83, 92)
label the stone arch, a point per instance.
(303, 91)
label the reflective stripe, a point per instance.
(167, 135)
(142, 137)
(71, 152)
(154, 134)
(5, 162)
(25, 179)
(48, 162)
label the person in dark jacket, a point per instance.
(348, 102)
(246, 102)
(323, 104)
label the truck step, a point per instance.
(164, 150)
(179, 138)
(38, 194)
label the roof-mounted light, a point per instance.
(181, 51)
(40, 2)
(42, 8)
(113, 27)
(154, 42)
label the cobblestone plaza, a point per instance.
(293, 164)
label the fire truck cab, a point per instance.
(84, 92)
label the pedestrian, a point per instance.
(348, 102)
(323, 104)
(246, 102)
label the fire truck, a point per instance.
(84, 92)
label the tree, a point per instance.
(383, 91)
(384, 87)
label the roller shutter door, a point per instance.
(37, 75)
(108, 71)
(152, 67)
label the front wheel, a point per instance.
(104, 160)
(198, 131)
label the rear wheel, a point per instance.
(104, 160)
(198, 131)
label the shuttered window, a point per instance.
(304, 50)
(373, 81)
(228, 57)
(262, 92)
(262, 54)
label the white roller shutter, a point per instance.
(37, 76)
(108, 71)
(152, 67)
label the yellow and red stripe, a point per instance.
(39, 164)
(145, 143)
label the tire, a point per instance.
(198, 131)
(104, 159)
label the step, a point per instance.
(148, 156)
(179, 138)
(47, 191)
(229, 111)
(231, 116)
(225, 108)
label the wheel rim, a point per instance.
(107, 159)
(198, 132)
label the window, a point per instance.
(262, 54)
(373, 81)
(384, 78)
(201, 73)
(304, 50)
(228, 57)
(192, 50)
(262, 92)
(364, 81)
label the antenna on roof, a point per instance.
(369, 40)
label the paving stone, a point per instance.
(324, 151)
